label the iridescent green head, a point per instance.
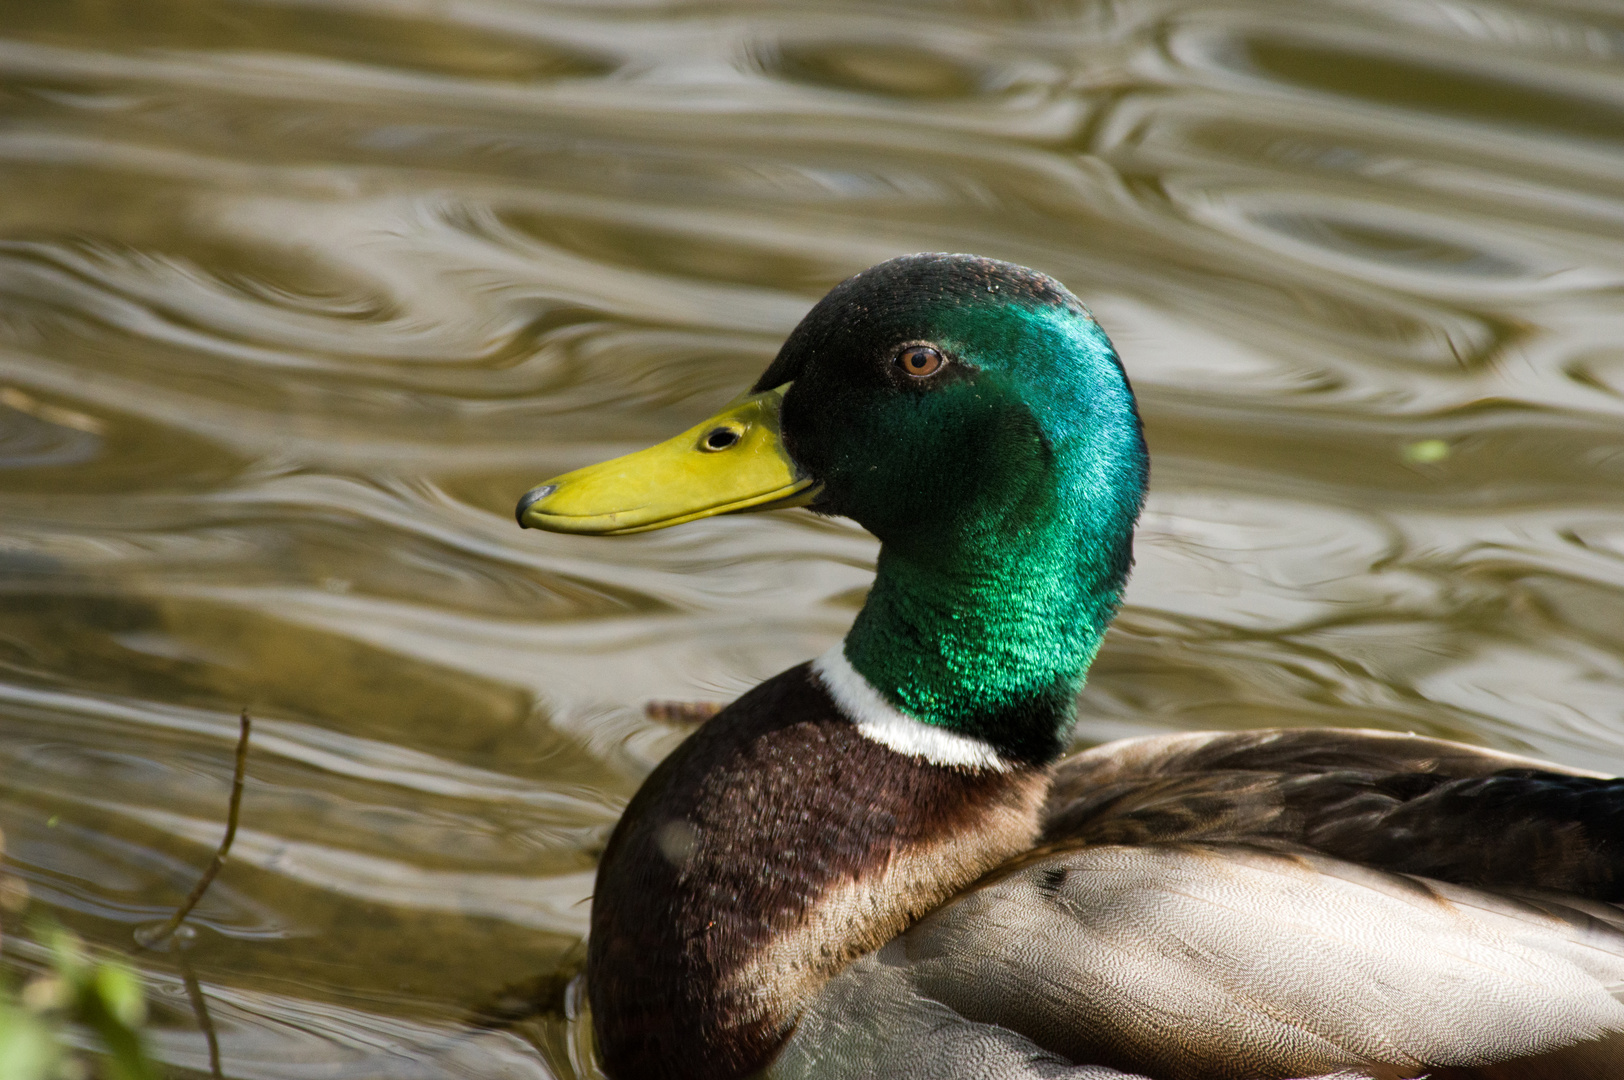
(974, 417)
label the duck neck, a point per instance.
(991, 634)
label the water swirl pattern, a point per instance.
(298, 296)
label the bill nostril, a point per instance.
(720, 438)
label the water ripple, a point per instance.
(296, 299)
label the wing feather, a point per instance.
(1403, 803)
(1205, 962)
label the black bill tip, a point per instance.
(531, 498)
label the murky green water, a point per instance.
(296, 298)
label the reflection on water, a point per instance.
(296, 298)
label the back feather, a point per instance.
(1402, 803)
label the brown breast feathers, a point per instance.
(772, 848)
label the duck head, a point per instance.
(974, 417)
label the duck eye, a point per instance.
(920, 361)
(719, 438)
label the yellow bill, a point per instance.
(734, 461)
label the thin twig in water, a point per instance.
(681, 713)
(219, 859)
(200, 1007)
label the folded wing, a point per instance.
(1265, 905)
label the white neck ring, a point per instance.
(880, 721)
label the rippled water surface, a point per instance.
(298, 296)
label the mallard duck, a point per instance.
(877, 863)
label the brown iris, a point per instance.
(920, 361)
